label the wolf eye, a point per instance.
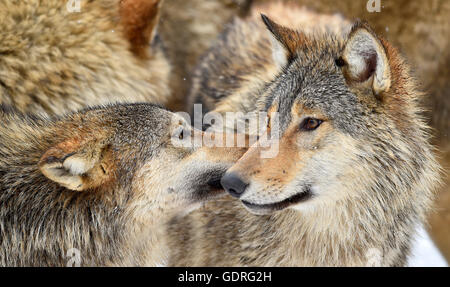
(310, 124)
(181, 135)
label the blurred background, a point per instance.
(420, 29)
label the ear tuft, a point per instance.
(75, 167)
(285, 41)
(364, 59)
(57, 171)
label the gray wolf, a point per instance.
(355, 172)
(100, 181)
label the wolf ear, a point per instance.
(285, 41)
(139, 19)
(78, 166)
(364, 60)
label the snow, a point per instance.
(424, 253)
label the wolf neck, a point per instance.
(343, 235)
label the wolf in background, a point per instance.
(54, 60)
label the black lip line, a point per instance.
(299, 197)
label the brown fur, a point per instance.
(53, 60)
(139, 19)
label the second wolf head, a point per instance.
(99, 181)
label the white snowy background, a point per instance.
(424, 252)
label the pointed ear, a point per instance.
(139, 19)
(365, 60)
(285, 41)
(78, 165)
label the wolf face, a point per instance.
(348, 125)
(108, 173)
(132, 148)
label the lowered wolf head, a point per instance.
(123, 156)
(349, 127)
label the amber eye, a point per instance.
(310, 124)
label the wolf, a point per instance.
(354, 173)
(190, 27)
(97, 184)
(56, 57)
(402, 22)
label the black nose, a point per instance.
(233, 184)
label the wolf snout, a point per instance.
(233, 184)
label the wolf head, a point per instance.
(122, 155)
(348, 125)
(58, 56)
